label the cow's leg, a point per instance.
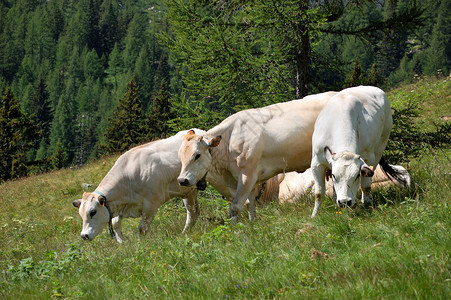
(252, 212)
(365, 183)
(319, 175)
(245, 185)
(192, 209)
(150, 208)
(117, 226)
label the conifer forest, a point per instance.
(80, 79)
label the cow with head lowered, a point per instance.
(140, 181)
(350, 134)
(290, 187)
(250, 147)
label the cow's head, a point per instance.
(92, 209)
(347, 167)
(195, 157)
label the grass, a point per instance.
(432, 96)
(400, 249)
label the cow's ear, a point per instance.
(213, 142)
(366, 171)
(76, 202)
(102, 200)
(189, 133)
(328, 154)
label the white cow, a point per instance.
(291, 186)
(141, 180)
(252, 146)
(351, 133)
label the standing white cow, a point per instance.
(141, 180)
(351, 133)
(252, 146)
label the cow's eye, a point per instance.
(197, 156)
(92, 213)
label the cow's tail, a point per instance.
(393, 174)
(269, 191)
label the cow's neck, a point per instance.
(219, 157)
(345, 136)
(113, 187)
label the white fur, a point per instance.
(141, 180)
(355, 126)
(255, 145)
(294, 185)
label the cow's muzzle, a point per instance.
(345, 202)
(183, 182)
(85, 237)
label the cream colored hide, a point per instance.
(250, 147)
(289, 187)
(351, 133)
(140, 181)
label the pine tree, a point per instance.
(238, 52)
(17, 135)
(115, 65)
(12, 40)
(59, 158)
(91, 19)
(124, 126)
(93, 68)
(41, 108)
(64, 123)
(108, 28)
(87, 119)
(145, 75)
(156, 121)
(392, 45)
(55, 19)
(135, 39)
(356, 76)
(439, 54)
(374, 77)
(162, 73)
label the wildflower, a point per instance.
(338, 212)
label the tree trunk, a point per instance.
(302, 56)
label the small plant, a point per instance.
(46, 268)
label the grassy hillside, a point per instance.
(401, 249)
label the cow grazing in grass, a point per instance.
(252, 146)
(291, 186)
(141, 180)
(350, 134)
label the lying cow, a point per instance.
(141, 180)
(351, 133)
(291, 186)
(252, 146)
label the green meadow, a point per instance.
(400, 249)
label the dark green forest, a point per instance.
(82, 79)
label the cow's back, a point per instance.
(279, 135)
(146, 169)
(358, 120)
